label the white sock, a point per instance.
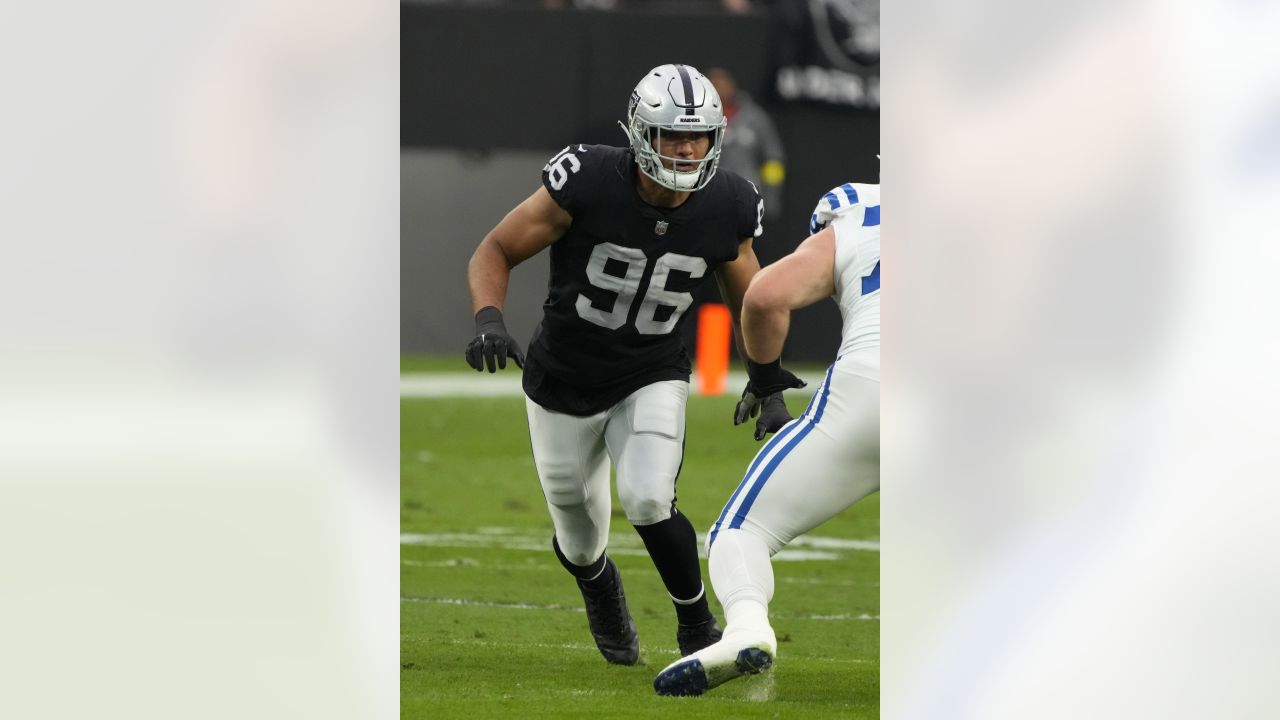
(742, 577)
(701, 591)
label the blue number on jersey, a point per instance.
(871, 283)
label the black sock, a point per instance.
(594, 575)
(673, 546)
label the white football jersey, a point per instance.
(855, 215)
(800, 479)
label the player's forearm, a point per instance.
(734, 279)
(764, 331)
(487, 276)
(738, 343)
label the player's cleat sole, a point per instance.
(690, 676)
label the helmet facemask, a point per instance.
(674, 98)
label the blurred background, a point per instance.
(491, 90)
(199, 396)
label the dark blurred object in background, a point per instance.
(752, 147)
(827, 51)
(735, 7)
(489, 92)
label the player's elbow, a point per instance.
(478, 258)
(764, 295)
(488, 255)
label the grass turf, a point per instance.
(491, 626)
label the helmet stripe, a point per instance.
(687, 83)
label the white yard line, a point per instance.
(436, 385)
(831, 543)
(500, 384)
(805, 547)
(548, 646)
(467, 562)
(487, 603)
(825, 581)
(467, 602)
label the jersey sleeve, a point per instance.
(750, 211)
(836, 202)
(857, 261)
(844, 199)
(567, 176)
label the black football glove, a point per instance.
(772, 410)
(763, 396)
(770, 378)
(492, 344)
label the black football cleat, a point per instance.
(692, 638)
(611, 625)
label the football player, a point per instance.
(819, 464)
(632, 231)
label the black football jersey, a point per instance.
(622, 277)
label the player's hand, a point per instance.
(771, 409)
(769, 378)
(773, 416)
(764, 389)
(492, 345)
(748, 406)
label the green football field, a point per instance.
(491, 626)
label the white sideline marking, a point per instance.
(498, 538)
(503, 383)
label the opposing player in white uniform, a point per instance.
(818, 464)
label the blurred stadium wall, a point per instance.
(488, 93)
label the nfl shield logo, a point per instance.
(660, 228)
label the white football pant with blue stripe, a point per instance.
(812, 469)
(829, 457)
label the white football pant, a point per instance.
(812, 469)
(643, 435)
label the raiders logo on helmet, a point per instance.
(672, 98)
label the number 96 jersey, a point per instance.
(622, 277)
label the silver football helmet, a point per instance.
(674, 98)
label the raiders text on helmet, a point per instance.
(674, 98)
